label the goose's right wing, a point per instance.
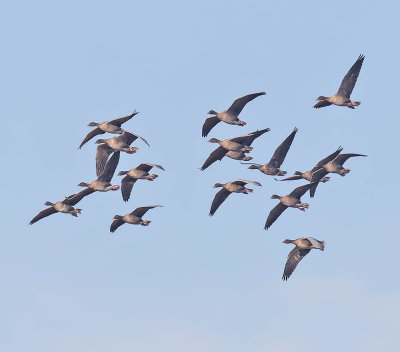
(217, 154)
(43, 214)
(90, 135)
(294, 258)
(209, 124)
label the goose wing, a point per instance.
(217, 154)
(90, 135)
(129, 138)
(209, 124)
(274, 214)
(349, 81)
(281, 152)
(238, 105)
(110, 167)
(139, 212)
(327, 159)
(102, 154)
(249, 138)
(300, 191)
(294, 257)
(77, 197)
(315, 178)
(245, 182)
(115, 224)
(340, 159)
(322, 104)
(147, 167)
(218, 200)
(118, 122)
(126, 187)
(43, 214)
(290, 178)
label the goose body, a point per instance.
(291, 200)
(303, 247)
(342, 97)
(134, 218)
(113, 126)
(237, 186)
(229, 116)
(273, 166)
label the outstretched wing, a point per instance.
(340, 159)
(300, 191)
(249, 138)
(129, 137)
(209, 124)
(217, 154)
(90, 135)
(280, 152)
(315, 178)
(139, 212)
(326, 160)
(238, 105)
(349, 81)
(110, 167)
(126, 187)
(218, 200)
(290, 178)
(245, 182)
(102, 154)
(147, 167)
(274, 214)
(43, 214)
(294, 257)
(76, 198)
(322, 104)
(115, 224)
(118, 122)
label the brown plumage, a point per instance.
(229, 116)
(113, 126)
(241, 143)
(237, 186)
(342, 97)
(132, 218)
(303, 247)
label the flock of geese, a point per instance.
(105, 169)
(237, 148)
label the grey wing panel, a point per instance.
(340, 159)
(115, 224)
(43, 214)
(349, 81)
(281, 152)
(110, 167)
(209, 124)
(75, 198)
(90, 135)
(238, 105)
(218, 200)
(294, 258)
(274, 214)
(126, 187)
(118, 122)
(300, 191)
(327, 159)
(102, 154)
(217, 154)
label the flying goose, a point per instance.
(291, 200)
(342, 97)
(237, 186)
(298, 175)
(229, 116)
(272, 167)
(113, 126)
(103, 182)
(132, 218)
(227, 147)
(335, 166)
(303, 247)
(139, 173)
(107, 146)
(64, 206)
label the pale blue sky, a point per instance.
(189, 282)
